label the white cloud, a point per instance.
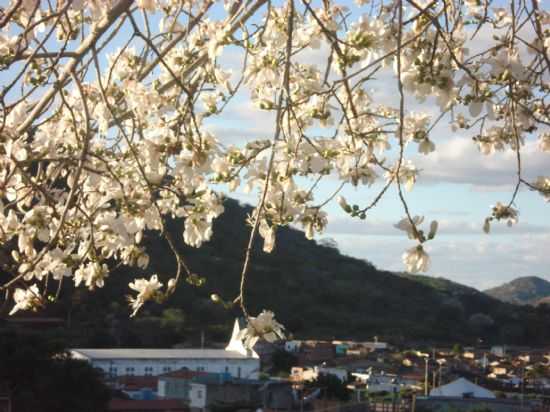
(447, 226)
(477, 262)
(457, 160)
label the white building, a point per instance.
(462, 388)
(382, 382)
(374, 346)
(197, 396)
(499, 351)
(235, 359)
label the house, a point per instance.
(213, 391)
(469, 355)
(524, 358)
(292, 346)
(372, 382)
(301, 374)
(462, 395)
(341, 348)
(375, 346)
(235, 359)
(499, 351)
(442, 404)
(462, 388)
(499, 371)
(178, 384)
(136, 387)
(356, 351)
(315, 352)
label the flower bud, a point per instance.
(487, 225)
(343, 204)
(433, 229)
(171, 285)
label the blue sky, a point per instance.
(457, 187)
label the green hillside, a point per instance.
(314, 290)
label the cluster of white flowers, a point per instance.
(542, 184)
(26, 299)
(501, 212)
(416, 259)
(264, 326)
(99, 153)
(147, 290)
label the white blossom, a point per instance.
(406, 225)
(544, 142)
(542, 183)
(267, 232)
(264, 326)
(416, 259)
(147, 289)
(26, 299)
(92, 274)
(149, 5)
(504, 212)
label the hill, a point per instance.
(315, 291)
(529, 290)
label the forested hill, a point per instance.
(314, 290)
(528, 290)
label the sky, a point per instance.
(457, 187)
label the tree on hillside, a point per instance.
(457, 350)
(114, 114)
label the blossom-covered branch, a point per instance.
(109, 111)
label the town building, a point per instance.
(212, 391)
(235, 360)
(314, 352)
(372, 382)
(303, 374)
(462, 388)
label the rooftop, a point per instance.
(128, 353)
(137, 382)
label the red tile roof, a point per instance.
(138, 382)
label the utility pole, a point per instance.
(434, 372)
(426, 377)
(522, 385)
